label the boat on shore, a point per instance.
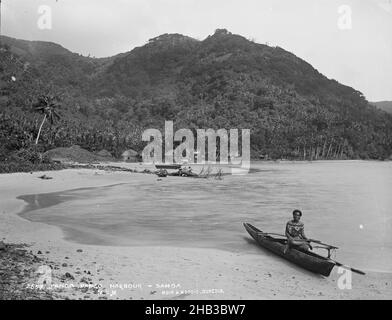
(308, 260)
(179, 171)
(168, 166)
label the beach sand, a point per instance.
(104, 272)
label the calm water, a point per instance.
(346, 203)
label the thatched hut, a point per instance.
(104, 153)
(73, 154)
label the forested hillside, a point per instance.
(384, 105)
(224, 81)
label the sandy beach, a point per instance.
(81, 271)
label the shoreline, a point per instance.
(146, 272)
(132, 167)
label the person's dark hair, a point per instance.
(297, 211)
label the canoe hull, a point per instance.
(168, 166)
(307, 260)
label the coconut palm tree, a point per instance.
(0, 25)
(47, 106)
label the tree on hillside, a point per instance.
(47, 106)
(0, 24)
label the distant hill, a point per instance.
(223, 81)
(384, 105)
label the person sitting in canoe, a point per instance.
(295, 233)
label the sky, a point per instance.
(346, 40)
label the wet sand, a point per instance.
(110, 272)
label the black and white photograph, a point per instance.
(186, 150)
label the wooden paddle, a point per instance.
(347, 267)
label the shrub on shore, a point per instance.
(11, 167)
(26, 160)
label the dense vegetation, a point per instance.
(224, 81)
(384, 105)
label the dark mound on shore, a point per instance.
(76, 154)
(18, 271)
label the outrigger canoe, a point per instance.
(168, 166)
(307, 260)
